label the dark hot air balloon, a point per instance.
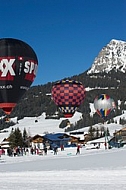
(68, 95)
(18, 67)
(104, 105)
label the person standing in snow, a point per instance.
(0, 151)
(55, 150)
(78, 149)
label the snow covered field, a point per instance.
(94, 169)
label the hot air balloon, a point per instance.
(18, 67)
(68, 95)
(104, 105)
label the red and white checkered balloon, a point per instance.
(68, 95)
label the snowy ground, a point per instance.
(92, 170)
(96, 169)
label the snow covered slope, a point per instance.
(43, 125)
(40, 127)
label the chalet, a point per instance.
(75, 140)
(5, 144)
(119, 138)
(52, 139)
(77, 137)
(37, 141)
(58, 139)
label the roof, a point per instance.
(37, 136)
(123, 129)
(57, 137)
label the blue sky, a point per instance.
(66, 35)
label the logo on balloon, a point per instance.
(9, 69)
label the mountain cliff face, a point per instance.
(111, 57)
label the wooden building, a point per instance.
(119, 138)
(37, 141)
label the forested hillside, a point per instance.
(38, 98)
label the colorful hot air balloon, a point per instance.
(103, 105)
(68, 95)
(18, 67)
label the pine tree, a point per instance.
(91, 132)
(18, 137)
(97, 133)
(107, 132)
(12, 139)
(25, 138)
(15, 138)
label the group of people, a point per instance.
(18, 151)
(25, 151)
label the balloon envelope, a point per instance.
(18, 67)
(103, 105)
(68, 95)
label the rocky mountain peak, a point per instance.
(112, 56)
